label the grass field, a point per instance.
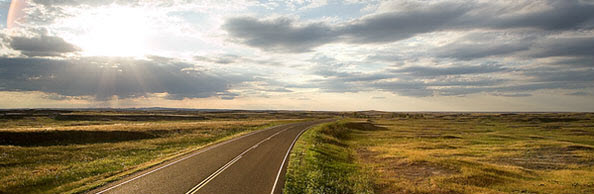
(322, 162)
(76, 151)
(448, 153)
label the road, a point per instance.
(253, 163)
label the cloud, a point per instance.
(229, 59)
(578, 49)
(106, 77)
(390, 27)
(223, 59)
(420, 71)
(567, 46)
(280, 90)
(284, 34)
(41, 45)
(581, 93)
(557, 15)
(469, 51)
(414, 48)
(454, 80)
(280, 34)
(560, 74)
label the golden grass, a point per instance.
(480, 153)
(75, 166)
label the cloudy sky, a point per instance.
(404, 55)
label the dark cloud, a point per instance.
(403, 87)
(281, 34)
(419, 71)
(287, 35)
(455, 80)
(560, 74)
(41, 45)
(390, 27)
(580, 94)
(103, 78)
(580, 46)
(585, 61)
(467, 51)
(577, 50)
(559, 15)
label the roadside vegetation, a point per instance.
(322, 162)
(72, 154)
(456, 153)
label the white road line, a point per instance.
(224, 167)
(285, 159)
(189, 156)
(212, 176)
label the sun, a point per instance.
(113, 31)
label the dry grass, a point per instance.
(479, 153)
(44, 155)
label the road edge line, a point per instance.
(199, 151)
(230, 163)
(286, 156)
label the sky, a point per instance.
(404, 55)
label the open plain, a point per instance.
(210, 151)
(447, 153)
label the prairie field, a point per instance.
(74, 151)
(447, 153)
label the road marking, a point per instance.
(224, 167)
(213, 175)
(189, 156)
(285, 159)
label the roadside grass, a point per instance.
(323, 162)
(478, 153)
(42, 155)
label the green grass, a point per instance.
(322, 162)
(95, 154)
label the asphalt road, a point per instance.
(254, 163)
